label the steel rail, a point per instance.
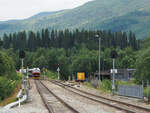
(135, 106)
(117, 107)
(49, 108)
(63, 102)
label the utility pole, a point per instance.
(99, 59)
(97, 36)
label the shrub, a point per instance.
(8, 76)
(6, 87)
(105, 85)
(147, 89)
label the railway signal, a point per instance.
(28, 64)
(58, 70)
(21, 56)
(113, 55)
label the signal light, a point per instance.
(21, 54)
(113, 54)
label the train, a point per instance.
(81, 76)
(34, 73)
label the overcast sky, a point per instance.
(19, 9)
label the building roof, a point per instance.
(119, 71)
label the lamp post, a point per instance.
(97, 36)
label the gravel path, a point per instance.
(83, 105)
(35, 105)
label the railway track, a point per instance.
(129, 108)
(52, 102)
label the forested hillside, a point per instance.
(117, 15)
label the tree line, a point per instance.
(74, 50)
(68, 39)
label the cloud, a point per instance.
(18, 9)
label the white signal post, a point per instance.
(113, 71)
(113, 56)
(22, 63)
(58, 70)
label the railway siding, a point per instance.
(84, 105)
(113, 103)
(53, 102)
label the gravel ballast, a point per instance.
(34, 105)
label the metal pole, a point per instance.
(22, 63)
(113, 82)
(19, 102)
(23, 85)
(58, 75)
(99, 57)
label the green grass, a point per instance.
(88, 84)
(105, 86)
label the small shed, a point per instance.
(103, 75)
(122, 74)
